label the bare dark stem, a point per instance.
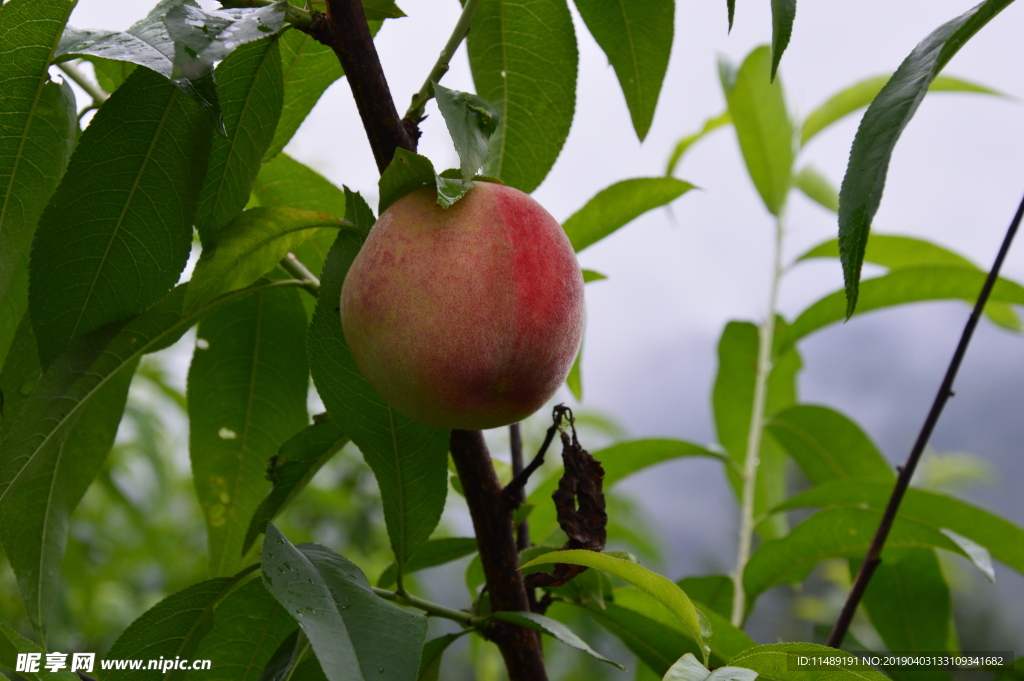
(344, 30)
(515, 438)
(492, 521)
(906, 472)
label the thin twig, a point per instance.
(294, 267)
(419, 100)
(433, 609)
(515, 439)
(92, 89)
(874, 556)
(513, 490)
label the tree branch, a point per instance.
(874, 556)
(515, 440)
(492, 521)
(344, 30)
(432, 609)
(293, 266)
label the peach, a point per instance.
(469, 317)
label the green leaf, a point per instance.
(683, 145)
(250, 246)
(910, 285)
(173, 627)
(554, 628)
(618, 205)
(859, 95)
(356, 635)
(291, 469)
(249, 82)
(407, 172)
(731, 8)
(763, 128)
(669, 594)
(783, 13)
(288, 657)
(247, 390)
(714, 591)
(12, 308)
(817, 188)
(1003, 539)
(901, 252)
(409, 460)
(828, 446)
(430, 660)
(12, 643)
(524, 61)
(118, 231)
(908, 601)
(358, 212)
(636, 35)
(110, 74)
(771, 662)
(248, 626)
(435, 552)
(733, 402)
(575, 378)
(657, 644)
(37, 502)
(37, 132)
(471, 121)
(308, 69)
(687, 668)
(833, 533)
(884, 121)
(202, 37)
(592, 275)
(619, 461)
(379, 10)
(146, 43)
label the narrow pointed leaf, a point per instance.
(291, 469)
(356, 635)
(859, 95)
(636, 35)
(37, 131)
(660, 588)
(524, 62)
(173, 627)
(884, 121)
(250, 246)
(620, 204)
(37, 501)
(308, 69)
(684, 144)
(110, 74)
(828, 446)
(619, 461)
(554, 628)
(249, 82)
(833, 533)
(658, 645)
(575, 378)
(435, 552)
(19, 375)
(783, 14)
(202, 37)
(731, 9)
(118, 230)
(247, 390)
(771, 662)
(13, 307)
(763, 127)
(1003, 539)
(817, 188)
(248, 626)
(409, 460)
(471, 121)
(910, 285)
(379, 10)
(430, 660)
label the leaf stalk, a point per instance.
(432, 609)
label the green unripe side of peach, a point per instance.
(469, 317)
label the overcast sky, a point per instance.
(675, 280)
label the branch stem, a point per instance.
(874, 555)
(515, 440)
(293, 266)
(432, 609)
(426, 92)
(79, 78)
(752, 459)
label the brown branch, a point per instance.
(492, 521)
(344, 30)
(874, 556)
